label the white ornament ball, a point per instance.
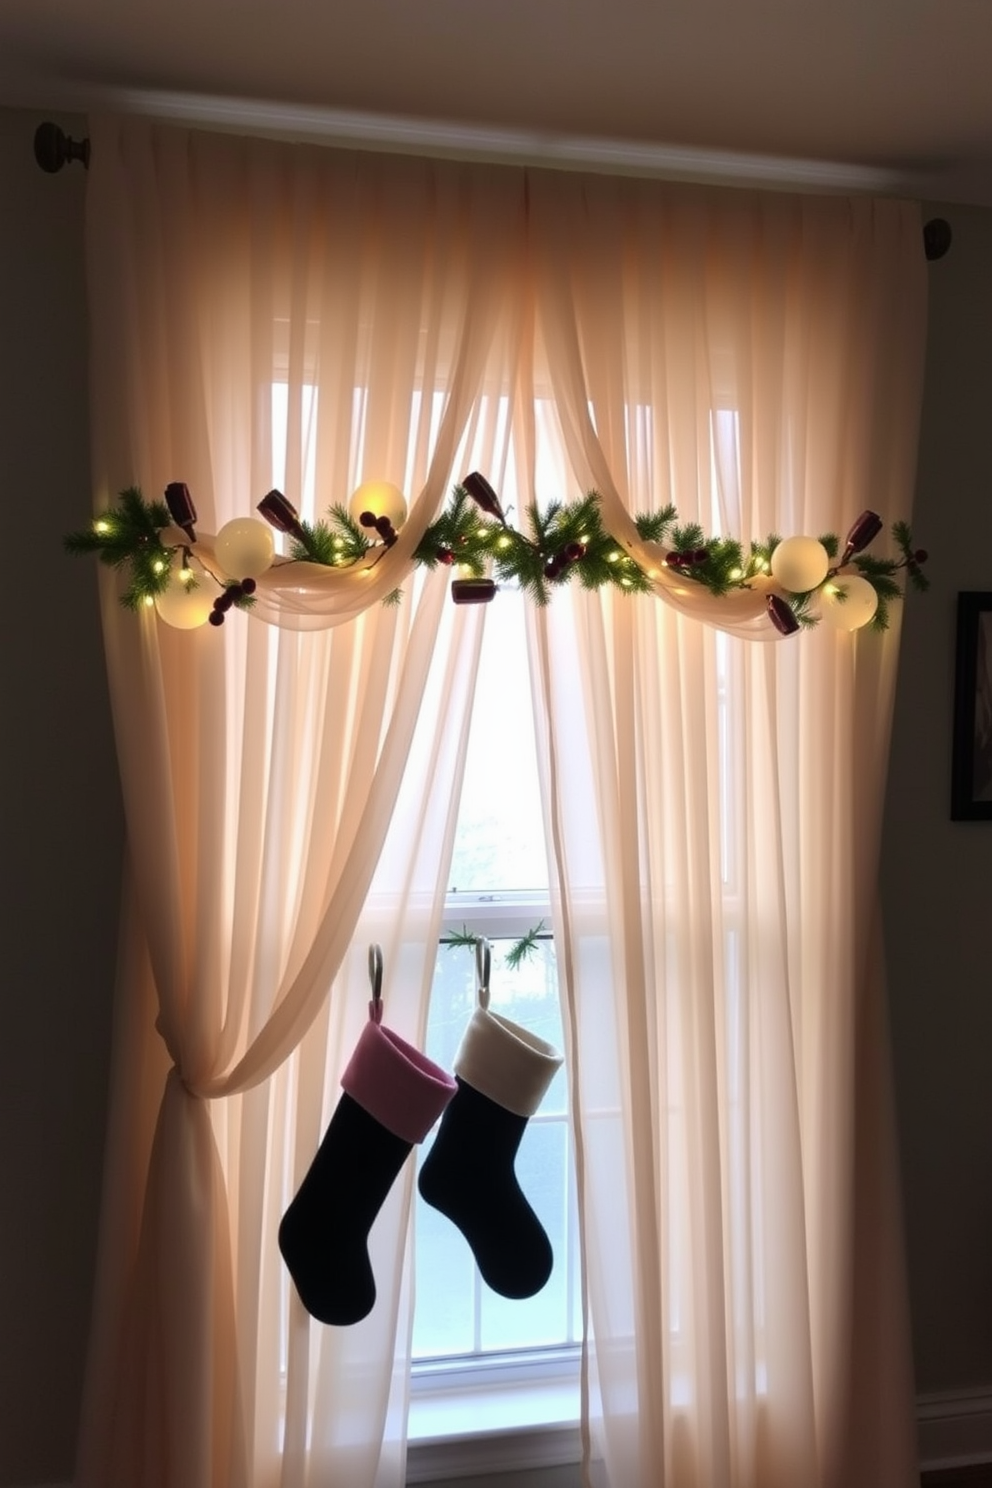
(245, 548)
(182, 607)
(799, 564)
(382, 499)
(848, 603)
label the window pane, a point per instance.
(541, 1320)
(456, 1312)
(499, 844)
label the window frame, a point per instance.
(512, 1410)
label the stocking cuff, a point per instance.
(397, 1084)
(510, 1065)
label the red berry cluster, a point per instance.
(558, 562)
(230, 597)
(918, 559)
(689, 559)
(382, 525)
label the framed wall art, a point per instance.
(971, 771)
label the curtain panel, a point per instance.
(271, 314)
(757, 361)
(264, 315)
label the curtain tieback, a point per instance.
(177, 1069)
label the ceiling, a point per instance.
(898, 92)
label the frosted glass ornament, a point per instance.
(245, 548)
(848, 603)
(799, 564)
(382, 499)
(184, 607)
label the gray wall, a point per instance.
(61, 836)
(60, 827)
(937, 874)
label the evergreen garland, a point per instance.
(565, 541)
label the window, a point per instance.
(482, 1363)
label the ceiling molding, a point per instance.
(448, 139)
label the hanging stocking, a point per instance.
(392, 1097)
(502, 1073)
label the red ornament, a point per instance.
(865, 530)
(574, 551)
(445, 555)
(781, 616)
(921, 555)
(472, 591)
(248, 586)
(181, 508)
(281, 514)
(216, 617)
(368, 519)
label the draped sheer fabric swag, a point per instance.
(265, 313)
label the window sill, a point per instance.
(495, 1417)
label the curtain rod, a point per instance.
(53, 149)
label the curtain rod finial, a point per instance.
(53, 148)
(937, 237)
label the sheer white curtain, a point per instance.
(262, 314)
(271, 314)
(714, 810)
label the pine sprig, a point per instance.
(521, 949)
(337, 544)
(653, 526)
(526, 946)
(128, 536)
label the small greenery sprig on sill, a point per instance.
(518, 953)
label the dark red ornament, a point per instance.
(445, 555)
(483, 495)
(248, 586)
(865, 530)
(367, 519)
(281, 514)
(781, 616)
(574, 551)
(181, 508)
(472, 591)
(216, 617)
(921, 555)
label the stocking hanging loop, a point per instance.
(483, 967)
(375, 981)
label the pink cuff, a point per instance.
(403, 1089)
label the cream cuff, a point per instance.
(505, 1062)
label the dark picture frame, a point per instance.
(971, 769)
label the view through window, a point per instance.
(499, 888)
